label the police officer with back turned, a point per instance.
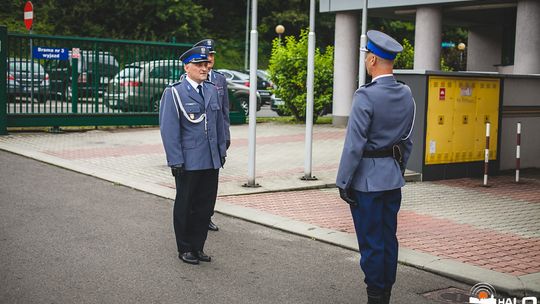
(223, 94)
(192, 131)
(370, 176)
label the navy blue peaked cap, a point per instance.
(383, 45)
(207, 43)
(195, 54)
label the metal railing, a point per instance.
(72, 81)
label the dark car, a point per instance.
(95, 68)
(241, 93)
(263, 86)
(25, 79)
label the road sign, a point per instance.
(76, 53)
(41, 52)
(448, 44)
(28, 14)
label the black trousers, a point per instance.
(196, 193)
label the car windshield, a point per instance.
(130, 72)
(25, 66)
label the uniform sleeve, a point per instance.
(169, 126)
(225, 110)
(220, 130)
(355, 139)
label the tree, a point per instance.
(288, 71)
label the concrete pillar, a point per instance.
(347, 45)
(527, 51)
(484, 47)
(427, 38)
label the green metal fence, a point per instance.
(70, 81)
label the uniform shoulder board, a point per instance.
(367, 85)
(208, 81)
(217, 72)
(175, 83)
(400, 81)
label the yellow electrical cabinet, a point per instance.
(457, 112)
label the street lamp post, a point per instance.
(280, 29)
(461, 47)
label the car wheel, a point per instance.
(280, 113)
(244, 104)
(155, 104)
(67, 94)
(42, 98)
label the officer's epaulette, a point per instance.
(208, 81)
(400, 81)
(369, 84)
(175, 83)
(217, 72)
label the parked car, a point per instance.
(275, 103)
(26, 78)
(241, 93)
(138, 87)
(94, 72)
(263, 87)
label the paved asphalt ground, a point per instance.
(70, 238)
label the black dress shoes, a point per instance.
(212, 226)
(189, 257)
(203, 257)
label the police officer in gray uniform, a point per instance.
(223, 94)
(192, 130)
(376, 149)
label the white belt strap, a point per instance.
(179, 102)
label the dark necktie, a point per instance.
(199, 87)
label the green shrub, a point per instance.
(288, 71)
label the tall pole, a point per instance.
(518, 151)
(252, 96)
(309, 95)
(486, 156)
(247, 38)
(3, 88)
(363, 43)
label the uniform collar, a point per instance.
(381, 76)
(193, 83)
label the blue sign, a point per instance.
(43, 52)
(448, 44)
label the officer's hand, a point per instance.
(177, 170)
(227, 144)
(222, 162)
(345, 195)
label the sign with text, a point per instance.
(41, 52)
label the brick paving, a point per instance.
(500, 246)
(494, 228)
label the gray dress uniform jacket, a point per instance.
(194, 145)
(221, 84)
(382, 114)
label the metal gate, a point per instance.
(70, 81)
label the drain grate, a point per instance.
(448, 295)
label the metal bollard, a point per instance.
(518, 151)
(486, 155)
